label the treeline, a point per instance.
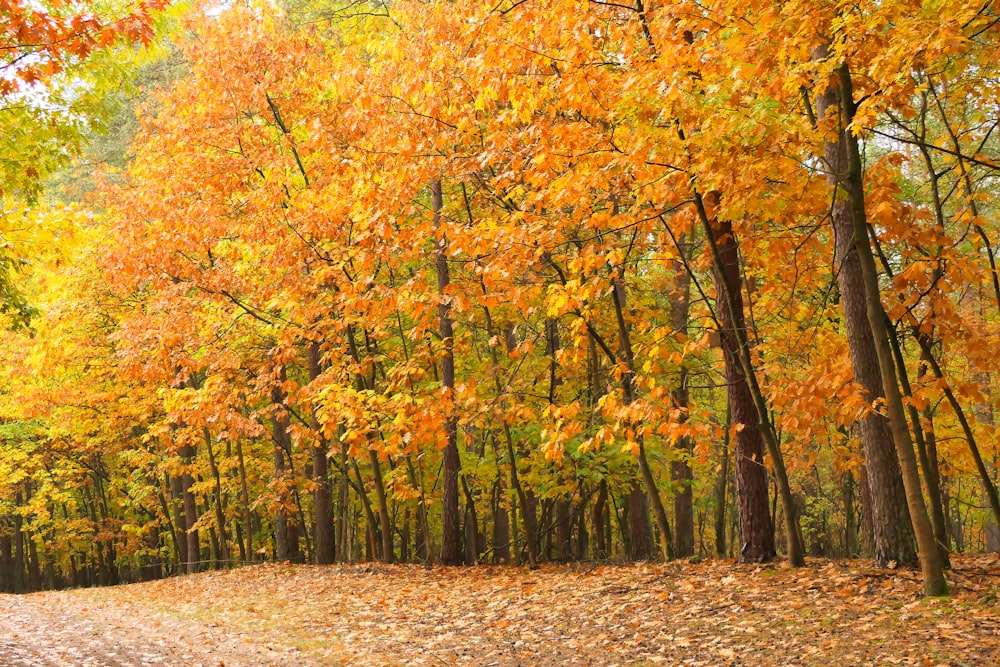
(540, 281)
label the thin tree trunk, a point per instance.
(721, 494)
(602, 521)
(279, 432)
(680, 471)
(385, 519)
(451, 529)
(501, 517)
(220, 515)
(180, 526)
(190, 510)
(629, 396)
(326, 548)
(472, 546)
(245, 504)
(920, 439)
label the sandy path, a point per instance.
(58, 630)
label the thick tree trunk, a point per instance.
(640, 531)
(756, 528)
(930, 558)
(892, 536)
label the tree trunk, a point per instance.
(501, 520)
(385, 519)
(180, 525)
(930, 558)
(892, 536)
(451, 520)
(640, 531)
(756, 528)
(326, 548)
(602, 523)
(640, 518)
(220, 515)
(279, 433)
(680, 472)
(721, 493)
(683, 479)
(190, 511)
(245, 505)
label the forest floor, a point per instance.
(710, 613)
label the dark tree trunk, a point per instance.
(892, 536)
(756, 528)
(602, 523)
(190, 510)
(6, 563)
(721, 493)
(683, 478)
(680, 472)
(385, 519)
(641, 546)
(472, 546)
(279, 433)
(326, 548)
(853, 185)
(220, 515)
(564, 530)
(19, 579)
(180, 525)
(850, 521)
(451, 520)
(501, 522)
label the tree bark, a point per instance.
(279, 433)
(451, 520)
(721, 491)
(326, 548)
(220, 515)
(190, 511)
(640, 517)
(680, 471)
(756, 528)
(930, 558)
(892, 536)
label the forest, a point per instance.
(503, 282)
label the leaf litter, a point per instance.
(682, 614)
